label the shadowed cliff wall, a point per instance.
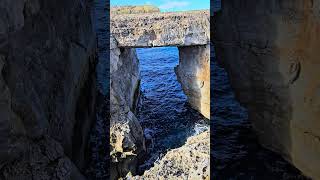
(47, 94)
(270, 50)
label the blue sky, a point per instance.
(167, 5)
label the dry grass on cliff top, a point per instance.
(134, 9)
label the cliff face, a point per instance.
(161, 29)
(193, 73)
(47, 88)
(126, 134)
(270, 50)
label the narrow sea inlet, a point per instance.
(164, 113)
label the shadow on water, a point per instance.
(235, 151)
(165, 115)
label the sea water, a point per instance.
(164, 112)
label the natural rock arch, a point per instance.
(189, 31)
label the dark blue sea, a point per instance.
(164, 113)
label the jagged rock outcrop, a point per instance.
(193, 73)
(161, 29)
(47, 88)
(191, 161)
(270, 49)
(126, 135)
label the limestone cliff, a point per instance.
(126, 134)
(161, 29)
(270, 49)
(47, 88)
(193, 73)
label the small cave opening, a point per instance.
(163, 110)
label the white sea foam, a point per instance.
(199, 128)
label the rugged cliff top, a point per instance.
(134, 9)
(191, 161)
(161, 29)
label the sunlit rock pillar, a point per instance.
(193, 73)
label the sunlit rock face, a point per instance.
(47, 88)
(270, 49)
(161, 29)
(126, 135)
(193, 73)
(191, 161)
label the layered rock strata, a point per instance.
(47, 88)
(126, 135)
(270, 49)
(161, 29)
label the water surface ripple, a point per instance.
(164, 113)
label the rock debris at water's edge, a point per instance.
(191, 161)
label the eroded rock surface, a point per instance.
(47, 88)
(270, 49)
(193, 73)
(126, 135)
(191, 161)
(161, 29)
(134, 9)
